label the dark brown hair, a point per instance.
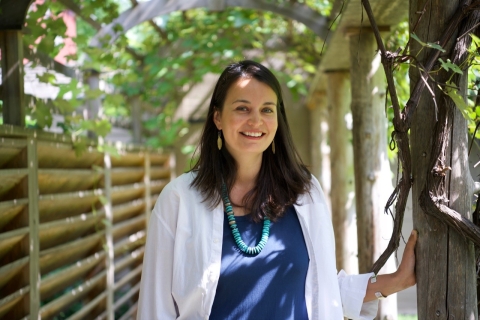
(282, 177)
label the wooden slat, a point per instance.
(11, 178)
(7, 303)
(132, 274)
(127, 210)
(157, 173)
(127, 296)
(58, 281)
(10, 270)
(10, 148)
(51, 181)
(127, 193)
(122, 176)
(62, 155)
(52, 308)
(54, 207)
(8, 240)
(131, 313)
(157, 186)
(61, 231)
(129, 227)
(129, 259)
(157, 159)
(82, 313)
(131, 243)
(128, 160)
(10, 209)
(68, 253)
(11, 131)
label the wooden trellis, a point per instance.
(72, 228)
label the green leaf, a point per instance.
(103, 200)
(427, 44)
(47, 78)
(448, 65)
(452, 92)
(435, 46)
(64, 106)
(102, 127)
(93, 94)
(475, 39)
(414, 36)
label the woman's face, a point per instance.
(248, 119)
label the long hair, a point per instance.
(282, 177)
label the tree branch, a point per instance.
(402, 122)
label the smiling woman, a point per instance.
(246, 234)
(248, 120)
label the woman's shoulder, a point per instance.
(181, 183)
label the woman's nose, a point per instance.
(255, 119)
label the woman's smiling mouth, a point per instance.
(253, 134)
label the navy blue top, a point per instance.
(270, 285)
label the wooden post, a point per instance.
(94, 105)
(110, 266)
(148, 192)
(373, 184)
(136, 112)
(338, 92)
(13, 97)
(446, 280)
(34, 240)
(320, 162)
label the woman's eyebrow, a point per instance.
(246, 101)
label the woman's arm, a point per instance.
(401, 279)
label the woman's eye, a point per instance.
(268, 110)
(242, 108)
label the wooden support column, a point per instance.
(373, 183)
(446, 278)
(34, 220)
(109, 265)
(320, 151)
(338, 92)
(148, 190)
(136, 113)
(13, 97)
(93, 106)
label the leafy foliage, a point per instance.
(160, 61)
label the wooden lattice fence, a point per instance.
(72, 227)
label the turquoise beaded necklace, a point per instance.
(236, 234)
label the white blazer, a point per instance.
(181, 266)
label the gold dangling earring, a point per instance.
(273, 146)
(219, 141)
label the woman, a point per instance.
(246, 234)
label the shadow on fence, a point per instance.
(72, 228)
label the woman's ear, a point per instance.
(216, 119)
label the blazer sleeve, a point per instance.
(156, 300)
(352, 291)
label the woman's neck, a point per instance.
(246, 177)
(247, 171)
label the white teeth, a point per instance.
(253, 134)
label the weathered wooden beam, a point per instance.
(338, 92)
(148, 10)
(373, 182)
(11, 47)
(34, 221)
(13, 13)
